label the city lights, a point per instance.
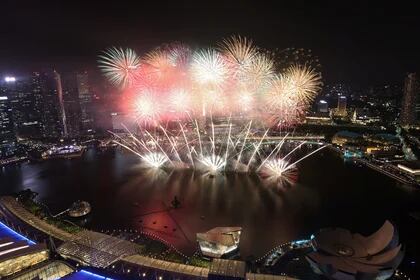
(198, 140)
(9, 79)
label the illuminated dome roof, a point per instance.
(340, 254)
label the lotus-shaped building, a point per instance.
(340, 254)
(219, 241)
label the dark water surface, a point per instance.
(329, 192)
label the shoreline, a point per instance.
(366, 163)
(16, 216)
(117, 250)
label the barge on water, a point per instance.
(67, 152)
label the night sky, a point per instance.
(357, 43)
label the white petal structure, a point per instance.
(340, 254)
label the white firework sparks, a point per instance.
(245, 100)
(179, 55)
(180, 100)
(210, 153)
(154, 160)
(239, 53)
(283, 102)
(304, 82)
(147, 109)
(235, 78)
(209, 67)
(120, 66)
(213, 163)
(276, 167)
(159, 60)
(280, 96)
(260, 71)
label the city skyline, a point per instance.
(192, 140)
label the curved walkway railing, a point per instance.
(19, 211)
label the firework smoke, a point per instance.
(235, 78)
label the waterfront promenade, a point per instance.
(7, 232)
(386, 172)
(100, 251)
(20, 212)
(382, 168)
(88, 247)
(91, 248)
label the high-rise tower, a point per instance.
(410, 107)
(85, 99)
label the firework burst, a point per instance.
(179, 55)
(303, 82)
(159, 61)
(212, 154)
(213, 164)
(239, 53)
(120, 66)
(147, 109)
(235, 78)
(180, 101)
(209, 67)
(279, 172)
(260, 71)
(154, 160)
(277, 167)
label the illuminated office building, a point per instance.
(85, 99)
(322, 106)
(342, 106)
(7, 135)
(410, 107)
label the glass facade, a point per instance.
(85, 98)
(14, 265)
(7, 135)
(50, 271)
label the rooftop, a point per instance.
(167, 266)
(339, 250)
(97, 249)
(221, 235)
(227, 268)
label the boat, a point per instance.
(66, 152)
(79, 209)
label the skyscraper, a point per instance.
(410, 107)
(71, 103)
(33, 101)
(7, 135)
(85, 99)
(57, 78)
(26, 105)
(322, 106)
(45, 84)
(342, 105)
